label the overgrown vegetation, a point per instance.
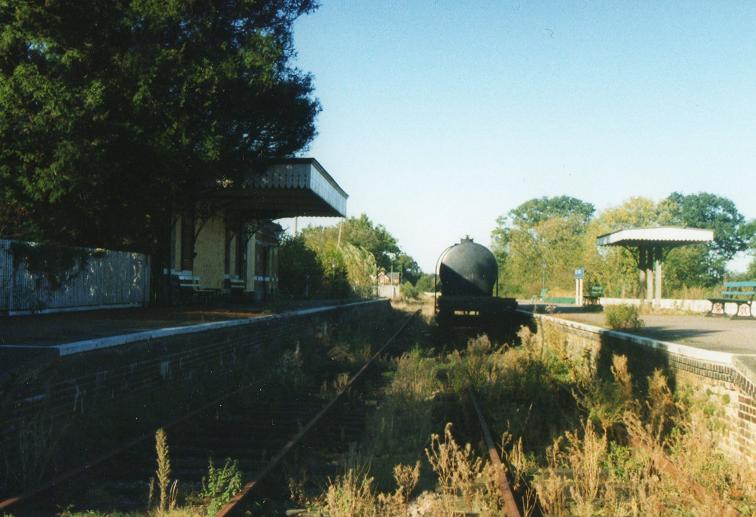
(220, 485)
(341, 260)
(576, 442)
(409, 291)
(623, 316)
(55, 263)
(286, 366)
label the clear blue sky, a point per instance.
(440, 116)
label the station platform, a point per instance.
(713, 333)
(22, 338)
(716, 339)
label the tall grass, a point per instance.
(577, 443)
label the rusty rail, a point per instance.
(510, 506)
(233, 506)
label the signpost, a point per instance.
(579, 276)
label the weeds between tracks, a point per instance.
(576, 444)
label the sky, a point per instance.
(439, 116)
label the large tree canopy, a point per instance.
(704, 265)
(337, 260)
(540, 242)
(115, 112)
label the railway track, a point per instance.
(235, 506)
(510, 505)
(248, 427)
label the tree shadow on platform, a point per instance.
(673, 334)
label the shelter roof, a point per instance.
(665, 236)
(290, 188)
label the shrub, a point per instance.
(425, 283)
(221, 484)
(623, 317)
(409, 291)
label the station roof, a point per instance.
(290, 188)
(665, 236)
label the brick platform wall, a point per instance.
(730, 381)
(70, 408)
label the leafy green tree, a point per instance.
(704, 265)
(540, 242)
(751, 271)
(350, 254)
(363, 233)
(538, 210)
(406, 265)
(425, 283)
(300, 271)
(409, 291)
(115, 114)
(612, 267)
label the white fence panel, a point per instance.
(104, 279)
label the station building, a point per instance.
(229, 243)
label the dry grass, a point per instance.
(579, 444)
(655, 456)
(168, 490)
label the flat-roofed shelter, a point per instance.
(650, 246)
(229, 242)
(288, 188)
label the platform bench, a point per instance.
(189, 287)
(739, 293)
(594, 295)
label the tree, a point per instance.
(349, 255)
(612, 267)
(426, 283)
(300, 271)
(540, 241)
(363, 233)
(409, 269)
(115, 114)
(538, 210)
(704, 265)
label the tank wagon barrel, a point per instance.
(468, 275)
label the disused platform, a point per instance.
(717, 355)
(24, 337)
(711, 333)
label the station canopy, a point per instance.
(288, 188)
(650, 246)
(666, 237)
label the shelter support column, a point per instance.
(250, 261)
(658, 258)
(645, 265)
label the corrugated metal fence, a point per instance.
(104, 279)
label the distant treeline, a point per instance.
(541, 242)
(341, 260)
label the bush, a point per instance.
(425, 283)
(221, 484)
(623, 317)
(409, 291)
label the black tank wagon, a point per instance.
(468, 274)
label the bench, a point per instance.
(189, 286)
(739, 293)
(234, 285)
(594, 295)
